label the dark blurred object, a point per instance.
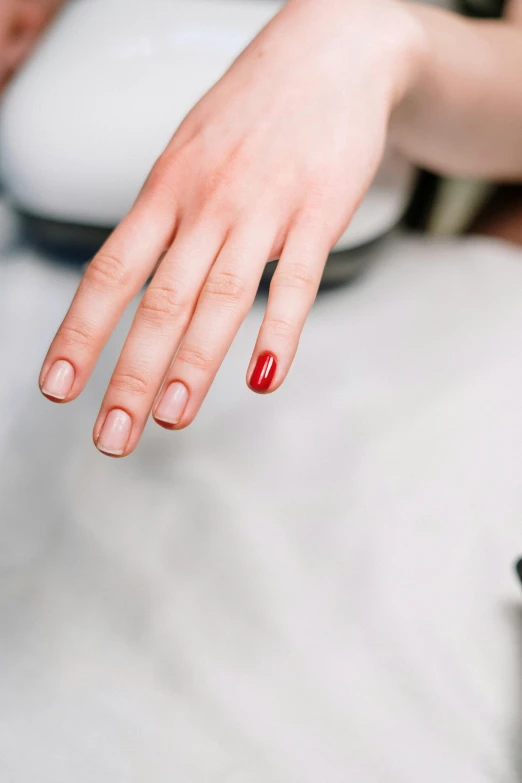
(485, 9)
(76, 244)
(425, 195)
(518, 569)
(501, 216)
(426, 212)
(71, 242)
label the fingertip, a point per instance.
(265, 392)
(56, 384)
(171, 406)
(165, 425)
(262, 377)
(112, 435)
(171, 427)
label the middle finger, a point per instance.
(160, 322)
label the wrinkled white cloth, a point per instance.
(313, 586)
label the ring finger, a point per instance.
(225, 300)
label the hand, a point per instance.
(272, 163)
(21, 24)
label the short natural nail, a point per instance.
(59, 380)
(115, 433)
(172, 405)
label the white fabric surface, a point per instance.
(315, 586)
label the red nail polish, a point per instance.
(264, 373)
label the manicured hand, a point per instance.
(271, 164)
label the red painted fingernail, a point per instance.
(264, 373)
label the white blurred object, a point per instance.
(315, 587)
(85, 120)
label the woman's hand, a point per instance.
(21, 24)
(272, 163)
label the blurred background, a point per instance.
(314, 586)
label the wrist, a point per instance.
(409, 53)
(418, 81)
(383, 40)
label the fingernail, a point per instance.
(264, 373)
(115, 433)
(173, 403)
(59, 380)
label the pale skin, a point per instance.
(272, 163)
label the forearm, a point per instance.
(463, 115)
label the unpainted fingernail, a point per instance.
(172, 405)
(59, 380)
(115, 433)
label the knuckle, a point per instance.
(169, 159)
(319, 194)
(77, 334)
(218, 181)
(155, 178)
(172, 164)
(279, 327)
(223, 188)
(160, 184)
(107, 270)
(132, 382)
(164, 162)
(183, 149)
(320, 185)
(162, 303)
(296, 276)
(195, 357)
(225, 287)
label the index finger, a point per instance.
(113, 278)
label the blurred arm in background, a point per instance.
(463, 116)
(514, 12)
(21, 24)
